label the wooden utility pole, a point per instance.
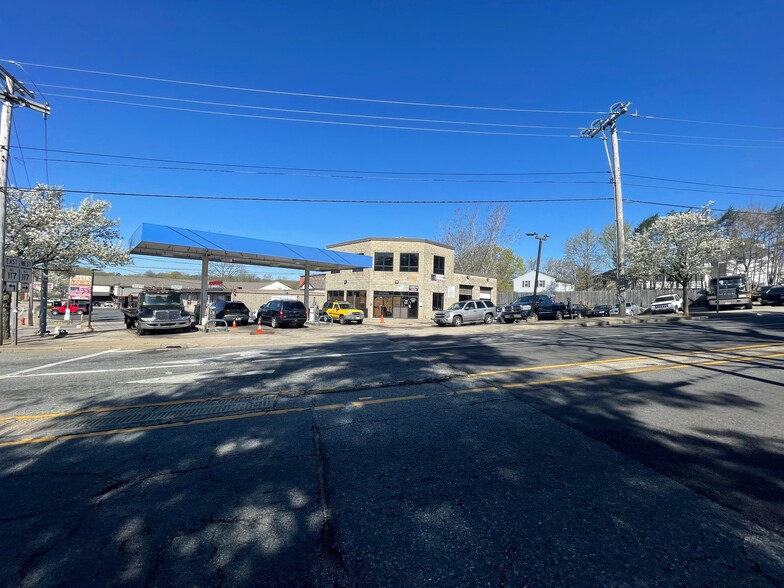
(13, 93)
(597, 126)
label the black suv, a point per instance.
(282, 312)
(230, 311)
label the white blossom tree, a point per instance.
(41, 227)
(677, 245)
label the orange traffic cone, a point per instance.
(382, 318)
(234, 324)
(258, 331)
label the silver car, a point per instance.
(466, 311)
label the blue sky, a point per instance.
(718, 65)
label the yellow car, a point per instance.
(342, 311)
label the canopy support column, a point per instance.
(306, 285)
(205, 274)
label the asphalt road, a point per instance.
(647, 454)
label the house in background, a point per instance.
(524, 284)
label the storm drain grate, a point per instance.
(131, 417)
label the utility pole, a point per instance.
(13, 93)
(538, 259)
(597, 126)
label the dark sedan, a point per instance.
(599, 310)
(774, 296)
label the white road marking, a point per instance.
(48, 365)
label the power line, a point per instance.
(703, 191)
(316, 112)
(704, 183)
(701, 137)
(314, 169)
(299, 94)
(316, 175)
(311, 121)
(391, 118)
(706, 122)
(330, 200)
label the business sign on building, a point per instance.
(79, 287)
(438, 277)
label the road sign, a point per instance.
(9, 286)
(25, 263)
(11, 261)
(25, 275)
(11, 274)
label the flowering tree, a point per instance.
(55, 236)
(677, 245)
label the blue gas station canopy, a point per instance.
(166, 241)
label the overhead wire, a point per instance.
(309, 112)
(705, 122)
(316, 169)
(317, 175)
(302, 94)
(391, 118)
(312, 121)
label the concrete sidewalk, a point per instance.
(114, 335)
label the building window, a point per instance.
(383, 262)
(526, 283)
(439, 264)
(438, 301)
(541, 283)
(334, 295)
(409, 262)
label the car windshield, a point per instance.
(601, 307)
(346, 305)
(162, 301)
(456, 306)
(524, 300)
(664, 299)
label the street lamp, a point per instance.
(538, 259)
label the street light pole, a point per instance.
(538, 259)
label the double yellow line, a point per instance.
(371, 402)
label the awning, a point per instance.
(166, 241)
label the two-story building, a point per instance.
(410, 278)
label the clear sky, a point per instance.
(709, 73)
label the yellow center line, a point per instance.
(661, 356)
(354, 404)
(110, 409)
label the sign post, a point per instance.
(17, 275)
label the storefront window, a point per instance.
(358, 298)
(396, 304)
(438, 301)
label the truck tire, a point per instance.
(359, 322)
(274, 322)
(55, 312)
(342, 320)
(508, 321)
(533, 318)
(140, 330)
(558, 315)
(457, 321)
(488, 319)
(80, 312)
